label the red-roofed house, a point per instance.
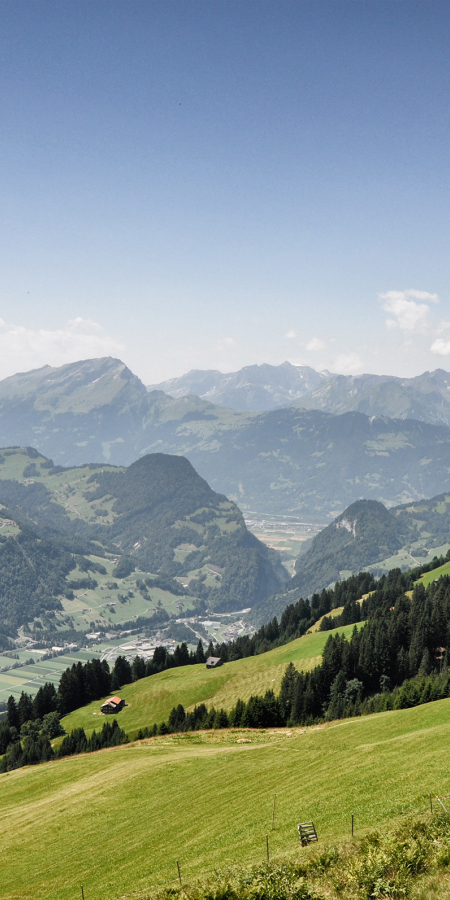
(113, 705)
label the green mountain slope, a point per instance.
(151, 699)
(33, 576)
(365, 535)
(159, 514)
(288, 461)
(118, 820)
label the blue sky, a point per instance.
(214, 184)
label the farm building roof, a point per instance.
(213, 661)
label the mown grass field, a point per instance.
(151, 699)
(116, 821)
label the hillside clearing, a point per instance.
(429, 577)
(151, 699)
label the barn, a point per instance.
(213, 662)
(113, 705)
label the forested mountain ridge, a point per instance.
(364, 535)
(159, 514)
(290, 461)
(33, 576)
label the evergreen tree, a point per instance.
(177, 718)
(221, 719)
(12, 713)
(200, 653)
(237, 714)
(138, 668)
(25, 708)
(181, 655)
(121, 673)
(45, 701)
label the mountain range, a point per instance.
(425, 397)
(251, 389)
(309, 463)
(263, 388)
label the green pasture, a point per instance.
(331, 615)
(92, 605)
(117, 821)
(429, 577)
(151, 699)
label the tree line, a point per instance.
(32, 745)
(398, 658)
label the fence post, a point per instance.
(352, 824)
(179, 873)
(82, 893)
(267, 845)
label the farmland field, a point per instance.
(30, 678)
(116, 821)
(151, 699)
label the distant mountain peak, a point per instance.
(254, 388)
(79, 386)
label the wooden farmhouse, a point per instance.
(113, 705)
(213, 662)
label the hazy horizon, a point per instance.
(208, 186)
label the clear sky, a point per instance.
(211, 183)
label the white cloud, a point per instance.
(410, 316)
(348, 364)
(24, 348)
(441, 347)
(315, 345)
(291, 334)
(422, 295)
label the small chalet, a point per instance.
(213, 662)
(113, 705)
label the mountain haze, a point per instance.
(425, 397)
(308, 463)
(251, 389)
(264, 388)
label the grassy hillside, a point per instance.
(429, 577)
(151, 699)
(157, 511)
(117, 821)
